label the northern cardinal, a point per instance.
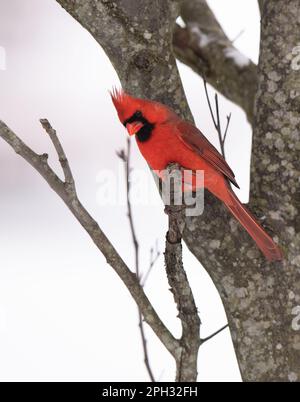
(163, 137)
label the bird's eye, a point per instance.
(138, 113)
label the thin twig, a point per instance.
(214, 334)
(227, 126)
(209, 104)
(153, 259)
(129, 210)
(238, 36)
(125, 156)
(60, 151)
(70, 198)
(216, 119)
(219, 129)
(145, 347)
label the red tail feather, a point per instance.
(268, 247)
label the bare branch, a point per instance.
(183, 296)
(154, 256)
(38, 162)
(60, 152)
(69, 196)
(125, 156)
(209, 105)
(218, 128)
(145, 348)
(129, 210)
(226, 129)
(216, 120)
(238, 36)
(214, 334)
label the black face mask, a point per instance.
(144, 132)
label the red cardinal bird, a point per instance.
(163, 137)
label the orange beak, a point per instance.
(133, 128)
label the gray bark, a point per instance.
(204, 46)
(186, 365)
(261, 299)
(136, 35)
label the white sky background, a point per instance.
(64, 314)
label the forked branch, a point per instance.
(216, 119)
(66, 191)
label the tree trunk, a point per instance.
(262, 300)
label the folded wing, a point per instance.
(196, 141)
